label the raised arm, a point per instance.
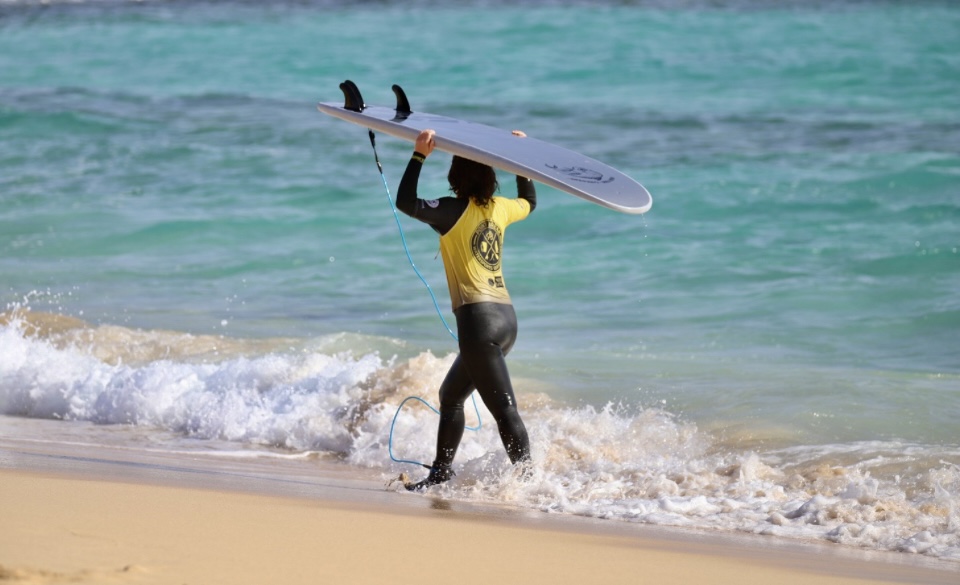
(440, 214)
(407, 191)
(525, 188)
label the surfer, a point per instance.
(471, 227)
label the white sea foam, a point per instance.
(621, 463)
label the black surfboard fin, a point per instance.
(352, 100)
(403, 106)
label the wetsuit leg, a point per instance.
(454, 391)
(487, 332)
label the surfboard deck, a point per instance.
(535, 159)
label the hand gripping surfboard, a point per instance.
(541, 161)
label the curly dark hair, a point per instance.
(472, 179)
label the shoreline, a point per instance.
(93, 514)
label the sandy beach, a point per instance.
(94, 514)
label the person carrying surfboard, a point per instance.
(471, 226)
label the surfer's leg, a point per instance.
(487, 333)
(454, 390)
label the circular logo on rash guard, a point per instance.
(486, 242)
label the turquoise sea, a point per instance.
(774, 348)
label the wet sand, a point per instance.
(94, 514)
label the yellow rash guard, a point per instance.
(472, 251)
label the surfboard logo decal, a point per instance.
(486, 242)
(582, 174)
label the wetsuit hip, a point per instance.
(487, 332)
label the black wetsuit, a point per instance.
(486, 330)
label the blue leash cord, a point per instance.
(428, 405)
(436, 305)
(373, 143)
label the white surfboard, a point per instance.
(541, 161)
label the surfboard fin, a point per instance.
(352, 100)
(403, 106)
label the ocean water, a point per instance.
(192, 257)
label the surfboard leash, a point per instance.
(396, 216)
(436, 305)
